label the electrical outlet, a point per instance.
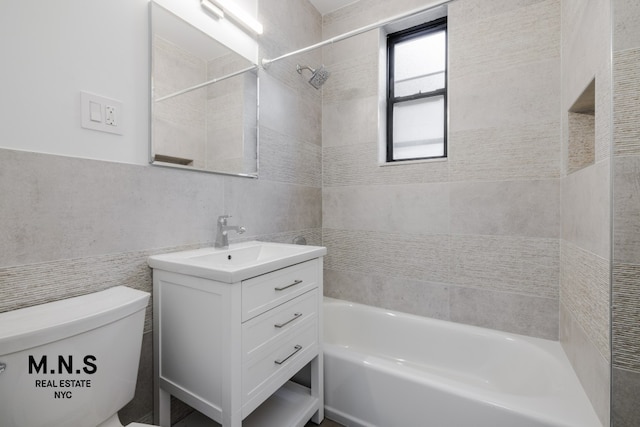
(100, 113)
(110, 115)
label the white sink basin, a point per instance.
(241, 261)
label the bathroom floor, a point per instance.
(196, 419)
(326, 423)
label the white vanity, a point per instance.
(231, 329)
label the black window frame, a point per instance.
(393, 39)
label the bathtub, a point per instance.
(390, 369)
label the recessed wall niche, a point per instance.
(582, 130)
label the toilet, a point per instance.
(71, 363)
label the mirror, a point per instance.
(204, 100)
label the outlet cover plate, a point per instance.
(109, 118)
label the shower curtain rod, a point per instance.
(207, 83)
(357, 31)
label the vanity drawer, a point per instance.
(270, 367)
(262, 293)
(284, 319)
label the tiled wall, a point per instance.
(72, 226)
(586, 198)
(626, 205)
(456, 239)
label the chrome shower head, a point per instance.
(318, 77)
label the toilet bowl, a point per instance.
(73, 362)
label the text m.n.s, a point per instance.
(63, 365)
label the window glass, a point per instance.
(419, 128)
(420, 64)
(417, 92)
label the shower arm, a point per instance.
(299, 68)
(266, 62)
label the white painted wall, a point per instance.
(53, 50)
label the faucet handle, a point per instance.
(222, 219)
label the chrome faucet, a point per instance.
(222, 238)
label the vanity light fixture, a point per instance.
(209, 7)
(228, 7)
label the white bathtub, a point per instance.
(391, 369)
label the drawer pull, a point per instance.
(297, 348)
(282, 288)
(281, 325)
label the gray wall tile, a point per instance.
(408, 296)
(603, 112)
(626, 273)
(625, 317)
(419, 257)
(358, 165)
(586, 208)
(490, 9)
(520, 314)
(582, 141)
(526, 151)
(584, 293)
(505, 207)
(507, 97)
(626, 108)
(39, 283)
(265, 207)
(59, 207)
(591, 366)
(626, 25)
(627, 204)
(295, 112)
(349, 122)
(285, 159)
(586, 200)
(365, 44)
(508, 38)
(409, 209)
(585, 45)
(522, 265)
(353, 78)
(624, 407)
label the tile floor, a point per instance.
(196, 419)
(326, 423)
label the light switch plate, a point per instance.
(100, 113)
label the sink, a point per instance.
(239, 262)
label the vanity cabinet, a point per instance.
(230, 350)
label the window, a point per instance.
(417, 92)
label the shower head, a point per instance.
(318, 76)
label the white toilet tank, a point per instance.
(70, 363)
